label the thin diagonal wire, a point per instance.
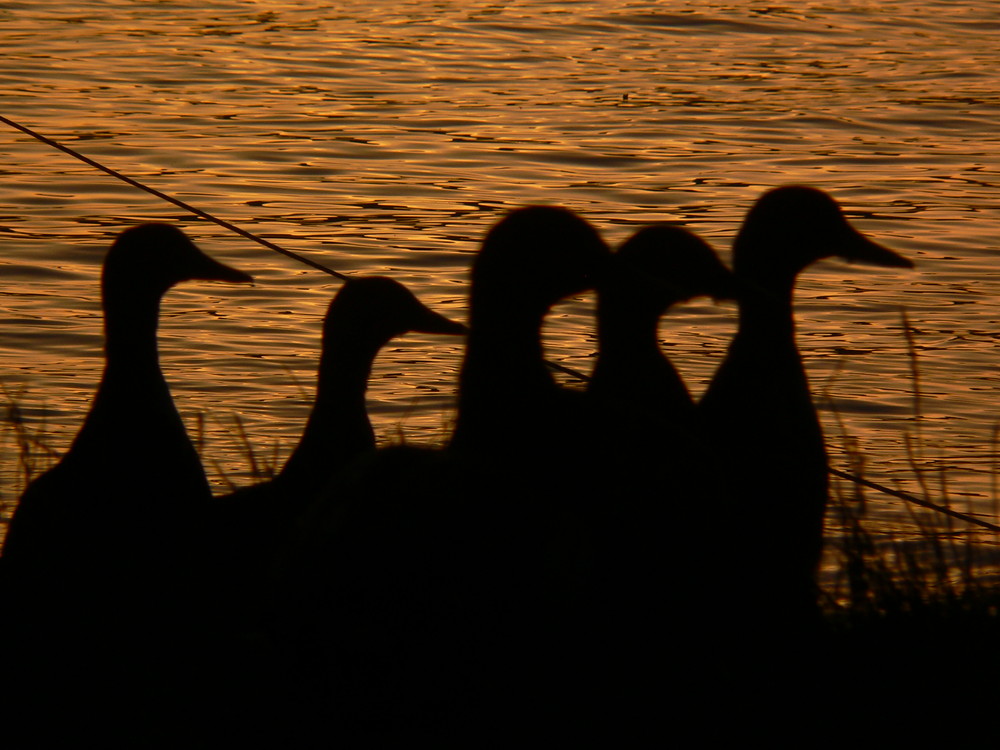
(205, 215)
(171, 199)
(914, 499)
(343, 277)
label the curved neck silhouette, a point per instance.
(130, 326)
(133, 430)
(338, 428)
(505, 384)
(120, 491)
(365, 315)
(764, 355)
(631, 365)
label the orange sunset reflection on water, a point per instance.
(389, 148)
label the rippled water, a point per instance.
(385, 137)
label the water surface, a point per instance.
(386, 137)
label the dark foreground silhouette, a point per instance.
(555, 575)
(99, 558)
(252, 523)
(650, 461)
(767, 447)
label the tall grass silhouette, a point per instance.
(944, 559)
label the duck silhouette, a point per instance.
(93, 549)
(521, 449)
(412, 600)
(645, 578)
(768, 456)
(635, 386)
(132, 453)
(364, 316)
(508, 403)
(252, 523)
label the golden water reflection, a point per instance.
(389, 148)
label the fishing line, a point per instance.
(325, 269)
(221, 222)
(170, 199)
(914, 499)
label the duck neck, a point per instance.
(630, 360)
(768, 270)
(510, 345)
(627, 335)
(503, 378)
(132, 360)
(768, 317)
(338, 428)
(132, 409)
(764, 362)
(133, 429)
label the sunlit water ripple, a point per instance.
(385, 138)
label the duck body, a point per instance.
(646, 582)
(413, 602)
(132, 456)
(97, 553)
(253, 525)
(757, 416)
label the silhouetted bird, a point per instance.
(646, 572)
(522, 447)
(412, 603)
(509, 406)
(363, 317)
(757, 415)
(524, 443)
(97, 541)
(644, 403)
(131, 467)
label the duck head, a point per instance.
(150, 258)
(663, 264)
(379, 309)
(790, 227)
(534, 257)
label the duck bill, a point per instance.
(431, 322)
(857, 247)
(212, 270)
